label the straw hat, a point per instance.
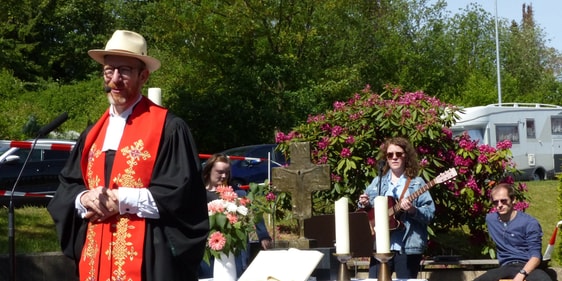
(128, 44)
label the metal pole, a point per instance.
(498, 59)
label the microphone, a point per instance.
(107, 88)
(381, 163)
(53, 125)
(11, 225)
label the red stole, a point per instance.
(113, 249)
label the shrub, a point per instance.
(349, 136)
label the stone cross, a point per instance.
(301, 178)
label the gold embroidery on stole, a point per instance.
(120, 249)
(120, 256)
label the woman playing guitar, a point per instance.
(399, 180)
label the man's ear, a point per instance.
(143, 76)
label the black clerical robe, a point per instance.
(174, 243)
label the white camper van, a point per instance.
(535, 130)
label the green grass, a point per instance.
(35, 231)
(543, 205)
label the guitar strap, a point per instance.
(405, 188)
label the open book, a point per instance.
(282, 265)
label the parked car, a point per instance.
(243, 172)
(40, 176)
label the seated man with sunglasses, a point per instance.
(517, 236)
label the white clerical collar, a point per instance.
(116, 126)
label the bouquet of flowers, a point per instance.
(230, 223)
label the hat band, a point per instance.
(125, 51)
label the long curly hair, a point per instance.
(412, 165)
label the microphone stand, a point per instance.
(380, 166)
(11, 223)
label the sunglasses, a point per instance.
(496, 202)
(391, 155)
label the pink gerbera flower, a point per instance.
(244, 201)
(224, 188)
(217, 241)
(229, 195)
(232, 218)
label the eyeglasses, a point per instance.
(124, 71)
(496, 202)
(391, 155)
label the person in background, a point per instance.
(131, 203)
(216, 172)
(399, 180)
(518, 238)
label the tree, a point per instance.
(244, 65)
(473, 80)
(238, 71)
(529, 65)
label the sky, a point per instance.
(546, 14)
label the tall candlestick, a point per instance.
(155, 95)
(342, 226)
(382, 232)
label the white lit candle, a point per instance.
(342, 226)
(382, 231)
(155, 95)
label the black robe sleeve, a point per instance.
(177, 186)
(174, 243)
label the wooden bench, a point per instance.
(451, 268)
(460, 264)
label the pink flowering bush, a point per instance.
(349, 136)
(230, 222)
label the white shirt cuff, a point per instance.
(80, 209)
(138, 201)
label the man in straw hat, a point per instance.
(131, 204)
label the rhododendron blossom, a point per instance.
(270, 196)
(345, 152)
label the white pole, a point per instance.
(498, 59)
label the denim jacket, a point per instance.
(415, 236)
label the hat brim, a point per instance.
(98, 55)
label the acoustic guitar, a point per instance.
(394, 209)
